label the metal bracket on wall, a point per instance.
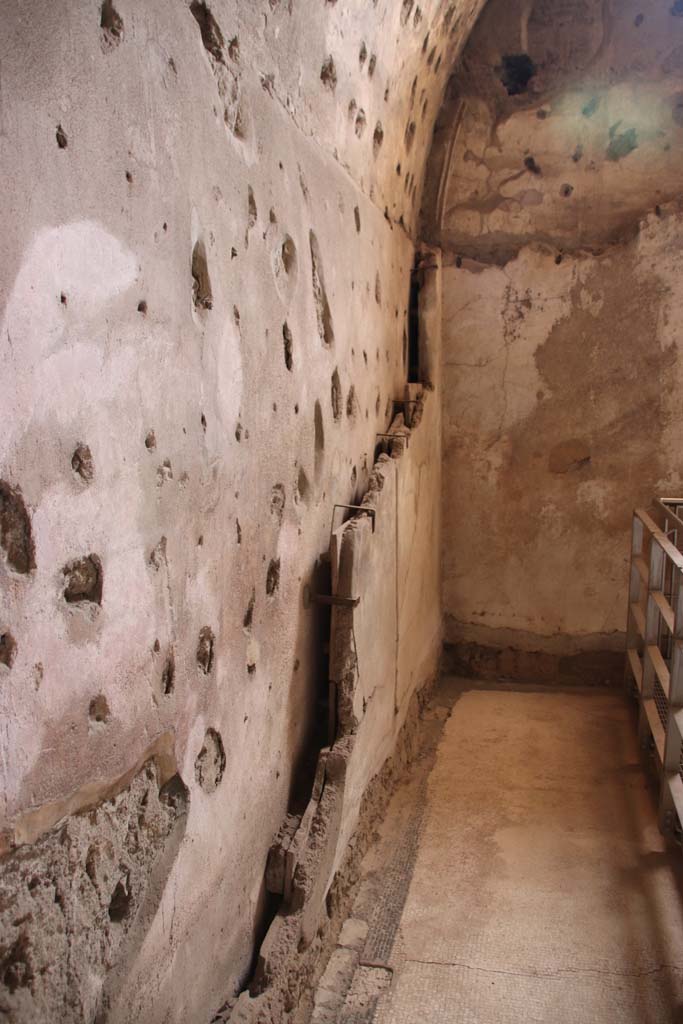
(354, 508)
(334, 599)
(397, 437)
(406, 412)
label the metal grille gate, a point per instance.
(654, 647)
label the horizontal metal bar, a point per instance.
(377, 965)
(666, 503)
(636, 666)
(397, 437)
(661, 670)
(343, 602)
(656, 727)
(355, 508)
(638, 618)
(671, 552)
(675, 784)
(665, 609)
(643, 568)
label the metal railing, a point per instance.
(654, 647)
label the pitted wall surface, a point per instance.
(208, 230)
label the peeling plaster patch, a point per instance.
(210, 763)
(8, 649)
(82, 463)
(16, 537)
(83, 581)
(90, 876)
(111, 24)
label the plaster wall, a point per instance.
(559, 213)
(207, 238)
(384, 651)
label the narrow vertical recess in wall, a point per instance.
(273, 577)
(202, 295)
(289, 345)
(414, 324)
(168, 674)
(319, 440)
(336, 396)
(316, 709)
(322, 306)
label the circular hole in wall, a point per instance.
(209, 765)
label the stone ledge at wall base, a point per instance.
(547, 668)
(288, 967)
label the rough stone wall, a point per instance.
(208, 230)
(554, 190)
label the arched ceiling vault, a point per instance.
(562, 124)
